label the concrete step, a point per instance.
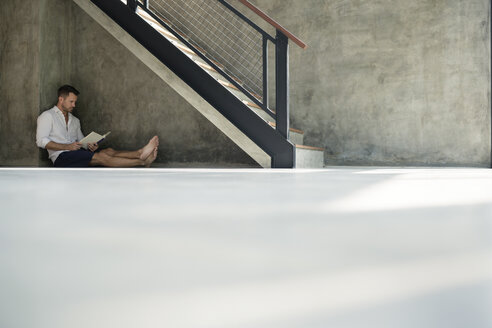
(262, 114)
(309, 157)
(296, 138)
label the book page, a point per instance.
(92, 137)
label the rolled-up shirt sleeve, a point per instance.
(43, 130)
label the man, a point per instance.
(59, 132)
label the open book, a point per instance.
(92, 137)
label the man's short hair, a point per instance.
(65, 90)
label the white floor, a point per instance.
(339, 247)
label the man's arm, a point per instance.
(43, 130)
(58, 146)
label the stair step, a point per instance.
(146, 15)
(203, 64)
(163, 31)
(199, 60)
(155, 24)
(251, 104)
(149, 18)
(309, 157)
(207, 67)
(228, 84)
(232, 88)
(272, 124)
(261, 113)
(225, 83)
(310, 147)
(296, 136)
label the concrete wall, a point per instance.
(391, 82)
(19, 81)
(34, 61)
(55, 49)
(55, 53)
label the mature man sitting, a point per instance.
(59, 132)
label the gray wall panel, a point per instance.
(391, 82)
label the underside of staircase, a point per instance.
(168, 57)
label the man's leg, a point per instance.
(104, 159)
(141, 154)
(122, 153)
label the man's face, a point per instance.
(68, 103)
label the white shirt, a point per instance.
(53, 127)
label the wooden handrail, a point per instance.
(270, 21)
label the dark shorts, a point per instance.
(75, 158)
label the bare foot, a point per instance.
(151, 158)
(147, 150)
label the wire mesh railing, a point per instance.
(232, 44)
(224, 36)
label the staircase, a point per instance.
(215, 91)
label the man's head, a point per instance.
(67, 97)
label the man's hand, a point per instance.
(93, 146)
(74, 146)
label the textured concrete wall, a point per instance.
(55, 35)
(121, 94)
(19, 82)
(391, 81)
(34, 61)
(55, 48)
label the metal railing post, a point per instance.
(282, 83)
(265, 71)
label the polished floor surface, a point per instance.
(338, 247)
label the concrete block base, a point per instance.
(309, 158)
